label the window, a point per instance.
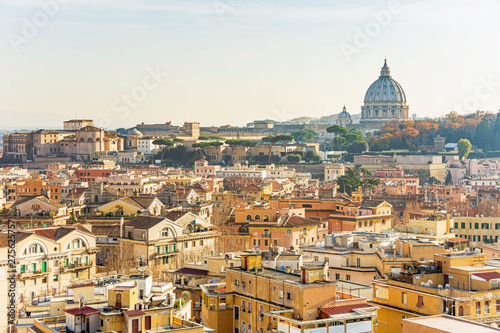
(420, 302)
(288, 296)
(281, 294)
(243, 284)
(266, 242)
(347, 262)
(164, 233)
(404, 298)
(249, 307)
(498, 305)
(348, 277)
(476, 225)
(288, 232)
(236, 282)
(186, 245)
(487, 307)
(382, 293)
(478, 308)
(462, 225)
(358, 262)
(236, 313)
(243, 305)
(337, 276)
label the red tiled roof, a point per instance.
(458, 239)
(192, 271)
(84, 310)
(488, 275)
(83, 285)
(342, 309)
(222, 290)
(134, 313)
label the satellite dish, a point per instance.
(429, 282)
(140, 269)
(82, 296)
(447, 286)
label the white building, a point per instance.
(146, 145)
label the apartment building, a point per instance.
(168, 242)
(259, 299)
(460, 285)
(48, 261)
(477, 229)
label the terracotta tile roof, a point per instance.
(191, 271)
(84, 310)
(297, 221)
(106, 230)
(343, 309)
(83, 285)
(134, 313)
(76, 193)
(144, 202)
(144, 222)
(222, 290)
(175, 215)
(488, 275)
(251, 187)
(458, 240)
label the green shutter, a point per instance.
(166, 248)
(22, 269)
(44, 266)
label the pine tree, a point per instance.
(449, 179)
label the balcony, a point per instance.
(32, 274)
(267, 235)
(78, 266)
(164, 254)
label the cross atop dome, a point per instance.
(385, 69)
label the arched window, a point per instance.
(82, 139)
(164, 233)
(90, 140)
(257, 217)
(249, 217)
(266, 218)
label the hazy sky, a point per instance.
(121, 62)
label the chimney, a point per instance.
(121, 227)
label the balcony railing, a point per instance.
(162, 254)
(76, 266)
(29, 274)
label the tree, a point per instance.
(449, 179)
(177, 140)
(294, 158)
(300, 152)
(464, 147)
(357, 147)
(433, 181)
(285, 139)
(304, 135)
(121, 131)
(163, 143)
(338, 131)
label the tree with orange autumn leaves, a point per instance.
(480, 128)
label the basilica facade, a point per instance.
(385, 100)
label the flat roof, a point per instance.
(452, 324)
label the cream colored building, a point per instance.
(48, 261)
(334, 171)
(478, 230)
(436, 227)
